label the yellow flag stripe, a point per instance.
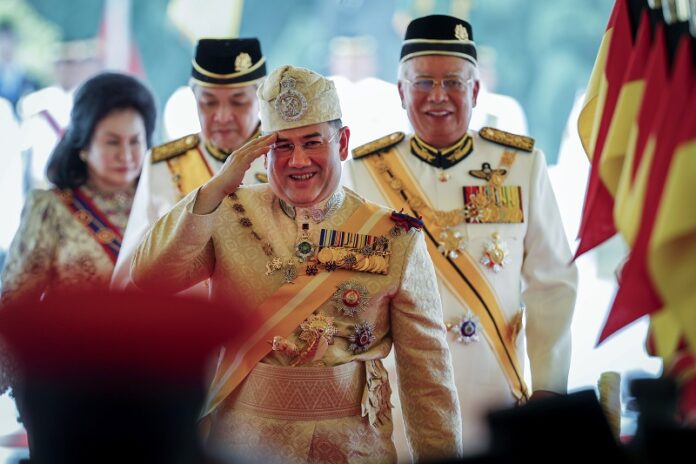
(616, 144)
(593, 107)
(672, 255)
(630, 195)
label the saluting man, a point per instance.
(225, 74)
(492, 226)
(334, 280)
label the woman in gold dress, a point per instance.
(70, 236)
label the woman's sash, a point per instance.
(94, 220)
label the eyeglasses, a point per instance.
(317, 145)
(449, 84)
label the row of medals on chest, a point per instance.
(478, 208)
(350, 298)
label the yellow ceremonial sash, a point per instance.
(285, 310)
(461, 275)
(189, 171)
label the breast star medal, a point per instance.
(467, 329)
(362, 337)
(318, 333)
(495, 254)
(452, 243)
(350, 298)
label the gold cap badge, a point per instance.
(460, 32)
(242, 62)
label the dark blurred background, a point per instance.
(541, 52)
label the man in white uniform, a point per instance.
(45, 113)
(224, 76)
(492, 226)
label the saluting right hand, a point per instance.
(228, 179)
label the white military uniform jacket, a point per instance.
(403, 309)
(538, 276)
(45, 115)
(157, 193)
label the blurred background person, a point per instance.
(45, 113)
(10, 177)
(224, 77)
(70, 236)
(494, 109)
(14, 79)
(353, 68)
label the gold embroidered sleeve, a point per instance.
(424, 366)
(27, 271)
(177, 252)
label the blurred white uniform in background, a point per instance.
(10, 175)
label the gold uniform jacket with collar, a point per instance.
(404, 306)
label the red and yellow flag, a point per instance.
(671, 255)
(594, 101)
(627, 106)
(636, 295)
(635, 172)
(594, 120)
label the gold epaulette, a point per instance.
(378, 145)
(174, 148)
(261, 177)
(520, 142)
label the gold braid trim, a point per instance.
(507, 139)
(174, 148)
(378, 145)
(445, 157)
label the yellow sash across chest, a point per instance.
(189, 171)
(285, 310)
(462, 276)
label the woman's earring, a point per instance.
(83, 156)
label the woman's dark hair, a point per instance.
(94, 100)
